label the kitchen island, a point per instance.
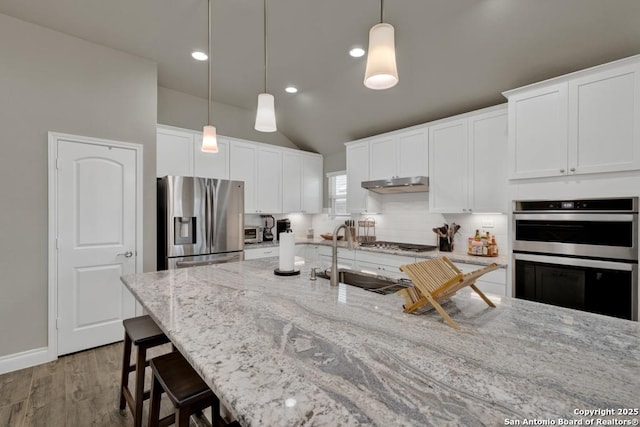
(288, 351)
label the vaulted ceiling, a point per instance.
(453, 55)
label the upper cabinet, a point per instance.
(400, 154)
(208, 165)
(467, 158)
(301, 195)
(359, 200)
(174, 152)
(585, 122)
(276, 179)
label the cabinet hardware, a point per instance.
(561, 170)
(572, 169)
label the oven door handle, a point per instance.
(577, 262)
(576, 217)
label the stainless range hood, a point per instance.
(412, 184)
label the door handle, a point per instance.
(127, 254)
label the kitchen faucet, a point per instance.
(334, 256)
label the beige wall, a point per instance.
(53, 82)
(190, 112)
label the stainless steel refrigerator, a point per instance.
(200, 221)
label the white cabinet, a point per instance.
(399, 155)
(312, 183)
(359, 200)
(467, 159)
(174, 152)
(243, 166)
(211, 165)
(487, 160)
(257, 253)
(586, 122)
(604, 121)
(269, 195)
(379, 263)
(448, 157)
(494, 282)
(302, 182)
(346, 257)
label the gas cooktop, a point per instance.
(398, 246)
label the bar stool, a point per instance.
(184, 387)
(142, 332)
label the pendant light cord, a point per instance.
(264, 28)
(381, 11)
(209, 66)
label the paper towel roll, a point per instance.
(287, 251)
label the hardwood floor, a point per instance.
(80, 389)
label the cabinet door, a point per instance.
(291, 182)
(211, 165)
(312, 184)
(448, 180)
(174, 153)
(357, 171)
(488, 162)
(269, 180)
(383, 162)
(413, 153)
(604, 121)
(243, 165)
(538, 132)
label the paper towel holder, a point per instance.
(293, 272)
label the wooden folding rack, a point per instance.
(437, 279)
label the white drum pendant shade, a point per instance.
(381, 72)
(209, 139)
(266, 114)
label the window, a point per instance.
(337, 193)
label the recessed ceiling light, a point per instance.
(356, 52)
(291, 89)
(200, 56)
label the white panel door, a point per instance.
(174, 152)
(96, 243)
(413, 153)
(291, 182)
(211, 165)
(448, 180)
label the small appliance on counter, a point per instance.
(269, 222)
(282, 225)
(445, 235)
(252, 234)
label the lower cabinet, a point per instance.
(257, 253)
(380, 263)
(346, 257)
(494, 282)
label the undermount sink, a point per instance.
(369, 282)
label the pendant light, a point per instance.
(381, 72)
(266, 114)
(209, 137)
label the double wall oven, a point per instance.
(580, 254)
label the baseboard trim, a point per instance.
(25, 359)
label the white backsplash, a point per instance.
(406, 218)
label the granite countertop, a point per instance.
(501, 260)
(288, 351)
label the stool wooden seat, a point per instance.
(184, 387)
(142, 332)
